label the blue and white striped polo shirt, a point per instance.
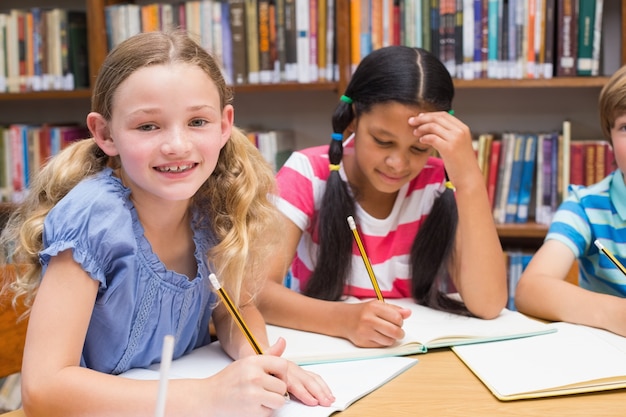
(589, 213)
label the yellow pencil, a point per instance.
(366, 260)
(610, 256)
(238, 319)
(235, 313)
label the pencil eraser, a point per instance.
(214, 282)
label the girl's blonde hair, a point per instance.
(235, 199)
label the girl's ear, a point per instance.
(99, 128)
(228, 118)
(351, 127)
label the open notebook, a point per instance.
(349, 381)
(425, 329)
(574, 359)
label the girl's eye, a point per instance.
(198, 122)
(380, 142)
(416, 150)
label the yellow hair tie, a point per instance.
(449, 185)
(333, 167)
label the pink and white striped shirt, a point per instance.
(301, 184)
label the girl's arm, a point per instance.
(306, 386)
(543, 292)
(54, 384)
(367, 324)
(479, 270)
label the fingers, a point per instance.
(278, 348)
(308, 387)
(377, 324)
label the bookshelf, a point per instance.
(484, 104)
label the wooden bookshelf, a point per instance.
(97, 41)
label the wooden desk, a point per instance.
(441, 385)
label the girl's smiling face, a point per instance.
(386, 153)
(168, 129)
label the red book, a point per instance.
(577, 167)
(492, 180)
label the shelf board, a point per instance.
(244, 88)
(556, 82)
(265, 88)
(530, 230)
(46, 95)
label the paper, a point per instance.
(425, 329)
(571, 360)
(348, 381)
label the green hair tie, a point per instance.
(346, 99)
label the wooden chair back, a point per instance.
(12, 330)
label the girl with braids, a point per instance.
(120, 232)
(417, 232)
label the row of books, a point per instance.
(257, 41)
(275, 145)
(517, 261)
(527, 175)
(24, 149)
(487, 38)
(43, 49)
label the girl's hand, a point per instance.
(452, 139)
(374, 323)
(251, 386)
(306, 386)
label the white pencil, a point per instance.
(166, 361)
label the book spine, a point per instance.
(303, 41)
(291, 42)
(577, 164)
(458, 39)
(478, 38)
(600, 161)
(590, 163)
(516, 179)
(528, 171)
(586, 18)
(313, 41)
(548, 64)
(281, 53)
(237, 17)
(435, 36)
(227, 40)
(494, 161)
(265, 65)
(566, 38)
(493, 10)
(468, 40)
(252, 42)
(597, 36)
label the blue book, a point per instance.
(528, 171)
(516, 179)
